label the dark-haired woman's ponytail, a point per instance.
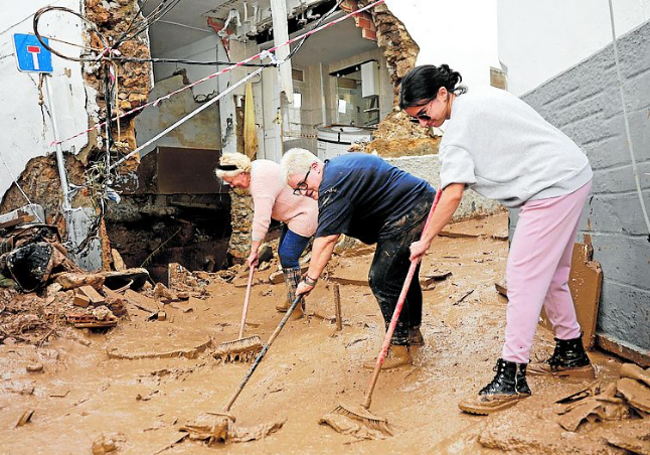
(453, 80)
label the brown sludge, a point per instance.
(218, 428)
(83, 393)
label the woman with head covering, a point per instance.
(273, 199)
(500, 147)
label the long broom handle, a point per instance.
(261, 355)
(247, 300)
(398, 309)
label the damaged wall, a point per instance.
(202, 131)
(80, 103)
(584, 103)
(26, 131)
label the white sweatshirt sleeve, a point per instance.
(456, 166)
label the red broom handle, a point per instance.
(398, 309)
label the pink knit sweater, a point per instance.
(274, 199)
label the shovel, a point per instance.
(242, 349)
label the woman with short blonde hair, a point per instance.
(273, 199)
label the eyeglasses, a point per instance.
(421, 114)
(302, 185)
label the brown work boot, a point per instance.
(298, 312)
(396, 356)
(283, 306)
(415, 337)
(568, 360)
(508, 387)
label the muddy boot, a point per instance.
(396, 356)
(415, 336)
(291, 281)
(506, 389)
(568, 360)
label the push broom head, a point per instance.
(242, 350)
(357, 415)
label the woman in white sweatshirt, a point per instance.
(503, 149)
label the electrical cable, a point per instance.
(627, 123)
(317, 24)
(91, 26)
(17, 184)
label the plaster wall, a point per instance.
(584, 103)
(427, 167)
(201, 131)
(204, 49)
(462, 33)
(538, 40)
(26, 130)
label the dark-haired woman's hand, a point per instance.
(418, 249)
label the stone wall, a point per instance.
(241, 216)
(584, 102)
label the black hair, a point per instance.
(422, 83)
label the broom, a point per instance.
(361, 413)
(222, 426)
(242, 349)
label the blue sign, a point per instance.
(31, 56)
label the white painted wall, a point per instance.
(538, 40)
(460, 33)
(26, 132)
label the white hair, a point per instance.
(297, 161)
(240, 160)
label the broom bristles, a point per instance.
(364, 417)
(244, 350)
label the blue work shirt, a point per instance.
(364, 197)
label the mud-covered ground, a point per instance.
(83, 394)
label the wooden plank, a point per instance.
(95, 297)
(20, 220)
(620, 349)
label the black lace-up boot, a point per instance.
(568, 360)
(506, 389)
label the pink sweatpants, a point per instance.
(537, 272)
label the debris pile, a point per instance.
(626, 398)
(44, 289)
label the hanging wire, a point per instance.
(315, 25)
(17, 184)
(627, 123)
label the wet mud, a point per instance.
(161, 375)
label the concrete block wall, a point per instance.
(584, 102)
(427, 167)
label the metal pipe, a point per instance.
(59, 151)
